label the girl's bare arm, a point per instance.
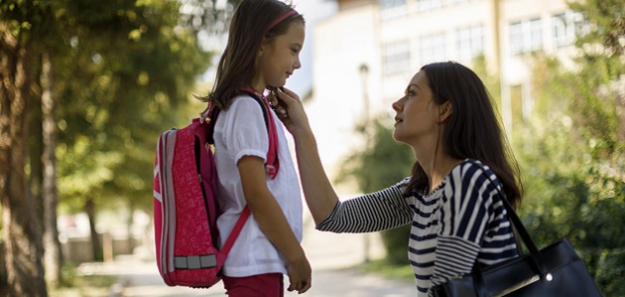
(272, 222)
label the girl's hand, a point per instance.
(300, 278)
(291, 111)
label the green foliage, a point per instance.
(77, 284)
(492, 83)
(386, 269)
(381, 163)
(606, 25)
(572, 150)
(574, 174)
(123, 68)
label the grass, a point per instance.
(385, 269)
(78, 285)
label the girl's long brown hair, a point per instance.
(248, 30)
(473, 130)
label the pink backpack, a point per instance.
(185, 202)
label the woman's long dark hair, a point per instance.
(248, 29)
(473, 130)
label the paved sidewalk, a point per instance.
(330, 256)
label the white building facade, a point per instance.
(392, 39)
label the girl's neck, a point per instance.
(258, 85)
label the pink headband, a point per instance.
(281, 18)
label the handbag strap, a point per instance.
(517, 240)
(517, 225)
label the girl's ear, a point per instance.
(265, 46)
(444, 111)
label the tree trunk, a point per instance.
(35, 153)
(52, 255)
(21, 232)
(95, 242)
(129, 223)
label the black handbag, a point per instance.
(556, 270)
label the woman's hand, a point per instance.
(291, 111)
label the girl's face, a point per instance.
(417, 116)
(277, 60)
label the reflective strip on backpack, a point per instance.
(195, 262)
(169, 203)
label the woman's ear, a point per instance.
(261, 49)
(444, 111)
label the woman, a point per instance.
(451, 198)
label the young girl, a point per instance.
(264, 43)
(451, 199)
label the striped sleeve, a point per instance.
(464, 217)
(382, 210)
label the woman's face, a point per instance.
(417, 114)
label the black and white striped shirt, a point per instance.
(461, 220)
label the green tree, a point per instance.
(110, 76)
(574, 174)
(20, 26)
(572, 148)
(381, 163)
(130, 67)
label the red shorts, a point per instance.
(263, 285)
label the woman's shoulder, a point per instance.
(469, 167)
(403, 184)
(474, 171)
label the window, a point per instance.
(565, 27)
(432, 49)
(470, 42)
(396, 57)
(536, 35)
(453, 2)
(526, 36)
(516, 38)
(388, 4)
(427, 5)
(392, 8)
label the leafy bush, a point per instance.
(381, 163)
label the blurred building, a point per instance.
(365, 54)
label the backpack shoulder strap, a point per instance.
(210, 116)
(225, 249)
(273, 164)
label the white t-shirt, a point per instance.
(241, 131)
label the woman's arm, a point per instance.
(272, 222)
(378, 211)
(318, 191)
(320, 196)
(382, 210)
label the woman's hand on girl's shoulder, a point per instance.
(291, 112)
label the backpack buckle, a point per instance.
(271, 170)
